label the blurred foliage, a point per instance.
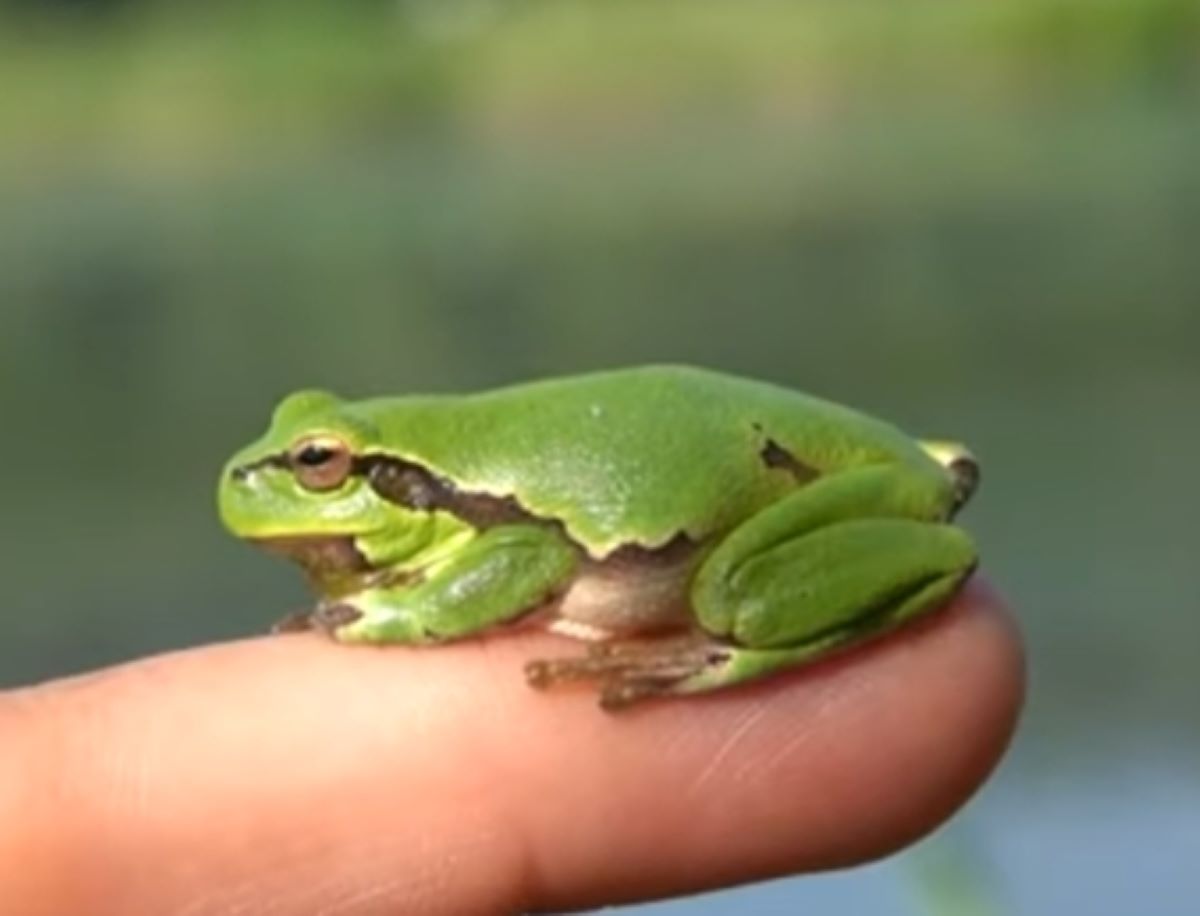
(169, 86)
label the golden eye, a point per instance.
(320, 462)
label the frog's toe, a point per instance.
(295, 622)
(547, 672)
(668, 680)
(326, 618)
(625, 693)
(628, 672)
(333, 617)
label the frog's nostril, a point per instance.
(239, 473)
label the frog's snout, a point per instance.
(238, 497)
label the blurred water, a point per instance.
(1006, 255)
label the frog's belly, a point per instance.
(620, 597)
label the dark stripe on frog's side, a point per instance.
(774, 455)
(408, 484)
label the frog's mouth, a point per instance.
(322, 556)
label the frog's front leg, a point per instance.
(841, 559)
(496, 577)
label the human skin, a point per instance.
(290, 775)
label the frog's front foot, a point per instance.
(295, 622)
(326, 617)
(634, 670)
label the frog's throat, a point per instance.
(334, 566)
(323, 556)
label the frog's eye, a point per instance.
(320, 462)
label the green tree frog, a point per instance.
(697, 529)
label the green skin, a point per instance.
(700, 530)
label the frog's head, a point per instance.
(305, 489)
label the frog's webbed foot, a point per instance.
(631, 670)
(325, 617)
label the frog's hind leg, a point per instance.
(838, 561)
(630, 671)
(745, 664)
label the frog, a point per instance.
(692, 529)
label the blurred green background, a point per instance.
(979, 218)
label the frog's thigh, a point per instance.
(743, 664)
(834, 563)
(497, 577)
(733, 577)
(852, 576)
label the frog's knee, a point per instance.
(961, 464)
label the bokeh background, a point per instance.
(978, 218)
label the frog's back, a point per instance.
(639, 455)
